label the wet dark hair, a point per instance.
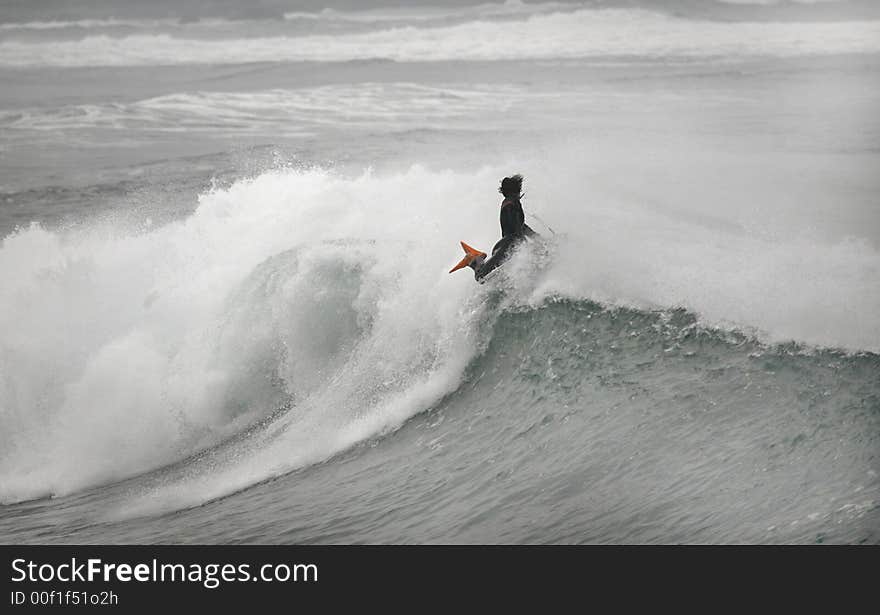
(511, 187)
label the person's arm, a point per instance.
(523, 229)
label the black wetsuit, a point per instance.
(513, 231)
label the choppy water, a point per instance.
(225, 314)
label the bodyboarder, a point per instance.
(514, 231)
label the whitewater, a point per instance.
(226, 313)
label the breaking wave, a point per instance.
(313, 310)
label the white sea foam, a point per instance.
(153, 345)
(569, 35)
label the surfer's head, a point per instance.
(511, 187)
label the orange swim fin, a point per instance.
(471, 255)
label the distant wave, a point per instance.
(509, 8)
(774, 2)
(578, 34)
(488, 10)
(86, 23)
(288, 110)
(110, 23)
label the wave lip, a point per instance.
(581, 34)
